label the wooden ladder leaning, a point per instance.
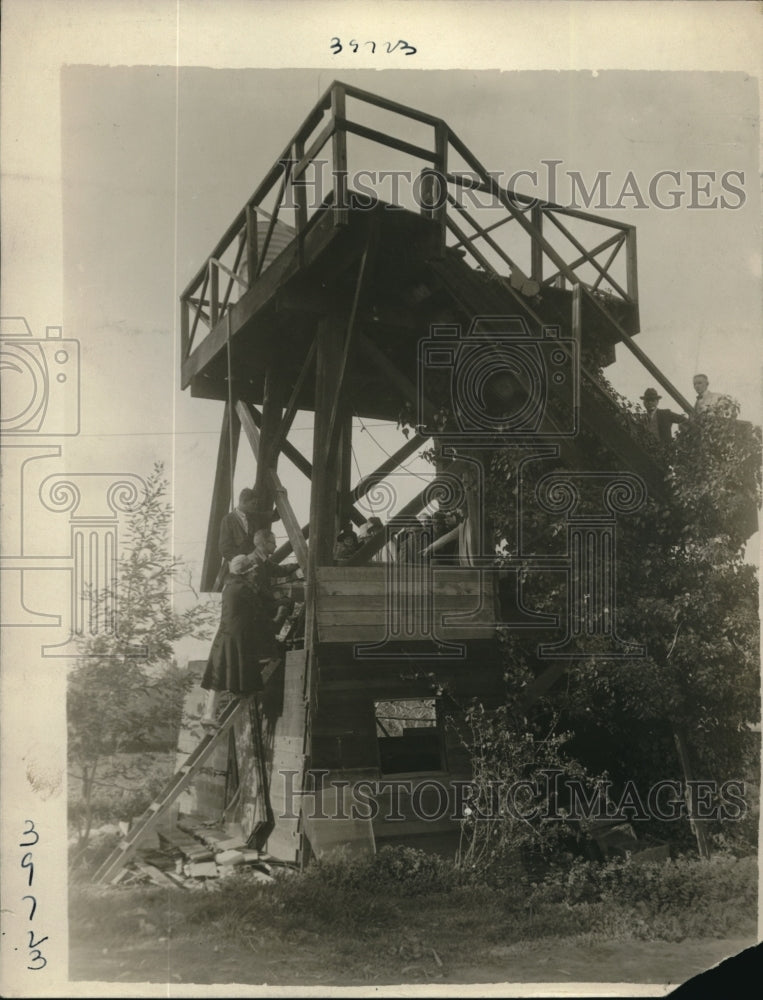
(177, 783)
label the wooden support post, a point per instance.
(339, 148)
(343, 468)
(334, 401)
(214, 293)
(291, 406)
(185, 329)
(300, 199)
(536, 246)
(631, 276)
(440, 211)
(577, 315)
(290, 522)
(286, 448)
(406, 388)
(330, 337)
(697, 825)
(252, 248)
(267, 460)
(221, 495)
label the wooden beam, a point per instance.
(405, 386)
(616, 241)
(388, 465)
(330, 336)
(287, 448)
(411, 509)
(587, 256)
(269, 426)
(339, 149)
(283, 506)
(536, 250)
(221, 495)
(291, 406)
(361, 284)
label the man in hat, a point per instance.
(237, 529)
(659, 422)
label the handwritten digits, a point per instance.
(36, 956)
(34, 905)
(405, 47)
(26, 862)
(31, 832)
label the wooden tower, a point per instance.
(318, 297)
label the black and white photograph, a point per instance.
(381, 456)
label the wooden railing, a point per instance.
(536, 242)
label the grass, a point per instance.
(375, 919)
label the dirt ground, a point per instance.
(299, 963)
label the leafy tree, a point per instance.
(683, 590)
(125, 691)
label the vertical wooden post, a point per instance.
(221, 495)
(214, 293)
(536, 246)
(344, 469)
(339, 147)
(697, 825)
(267, 459)
(323, 497)
(440, 213)
(631, 264)
(185, 328)
(330, 338)
(577, 315)
(252, 246)
(300, 196)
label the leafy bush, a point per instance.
(402, 871)
(662, 887)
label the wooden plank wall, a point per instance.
(352, 602)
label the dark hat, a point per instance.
(247, 495)
(345, 534)
(651, 394)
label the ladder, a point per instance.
(182, 777)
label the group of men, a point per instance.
(659, 422)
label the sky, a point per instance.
(133, 131)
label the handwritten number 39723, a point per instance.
(406, 49)
(29, 838)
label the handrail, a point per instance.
(202, 304)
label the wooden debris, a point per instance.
(157, 876)
(229, 858)
(202, 869)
